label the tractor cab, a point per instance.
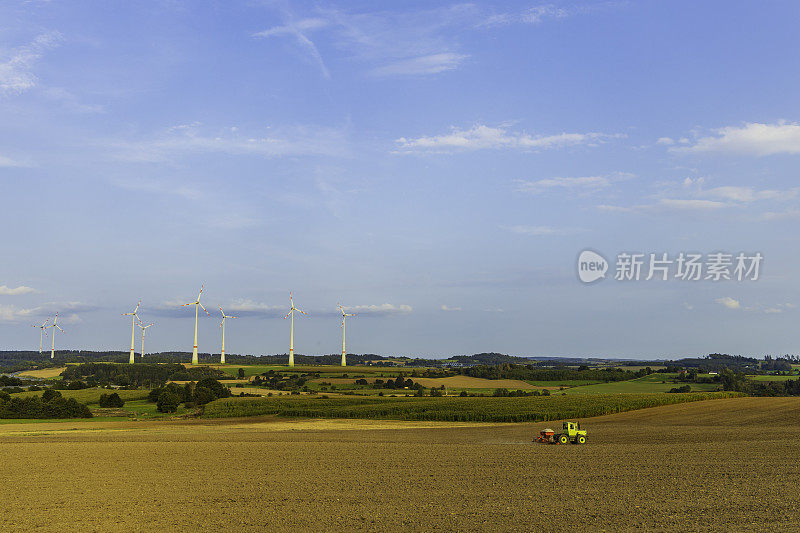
(572, 428)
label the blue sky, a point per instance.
(435, 167)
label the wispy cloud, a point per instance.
(193, 138)
(68, 312)
(395, 43)
(16, 68)
(482, 137)
(299, 32)
(7, 162)
(14, 291)
(450, 309)
(251, 308)
(378, 310)
(532, 15)
(576, 184)
(753, 138)
(421, 66)
(728, 302)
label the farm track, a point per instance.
(725, 464)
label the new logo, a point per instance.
(591, 266)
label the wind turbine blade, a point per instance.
(301, 311)
(204, 309)
(186, 305)
(287, 315)
(221, 311)
(229, 316)
(201, 292)
(137, 307)
(59, 327)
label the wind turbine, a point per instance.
(54, 325)
(222, 325)
(42, 331)
(195, 304)
(144, 329)
(344, 316)
(134, 318)
(290, 314)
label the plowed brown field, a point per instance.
(729, 465)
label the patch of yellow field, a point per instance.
(44, 373)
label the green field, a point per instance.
(563, 383)
(91, 396)
(772, 378)
(646, 384)
(520, 409)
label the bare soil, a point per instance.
(719, 465)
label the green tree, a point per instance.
(168, 402)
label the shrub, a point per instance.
(203, 395)
(111, 400)
(168, 402)
(50, 394)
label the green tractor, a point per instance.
(571, 432)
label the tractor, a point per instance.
(571, 432)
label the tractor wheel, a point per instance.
(581, 439)
(563, 439)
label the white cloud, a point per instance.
(748, 194)
(773, 310)
(537, 231)
(665, 140)
(12, 313)
(448, 308)
(9, 291)
(751, 139)
(728, 302)
(532, 15)
(246, 307)
(481, 137)
(192, 139)
(67, 312)
(781, 215)
(420, 66)
(584, 183)
(378, 310)
(690, 204)
(69, 101)
(8, 162)
(16, 71)
(299, 32)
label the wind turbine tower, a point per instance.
(144, 329)
(54, 326)
(290, 315)
(42, 332)
(134, 318)
(222, 325)
(344, 316)
(196, 303)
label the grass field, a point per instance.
(92, 396)
(643, 385)
(44, 373)
(721, 465)
(773, 378)
(448, 408)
